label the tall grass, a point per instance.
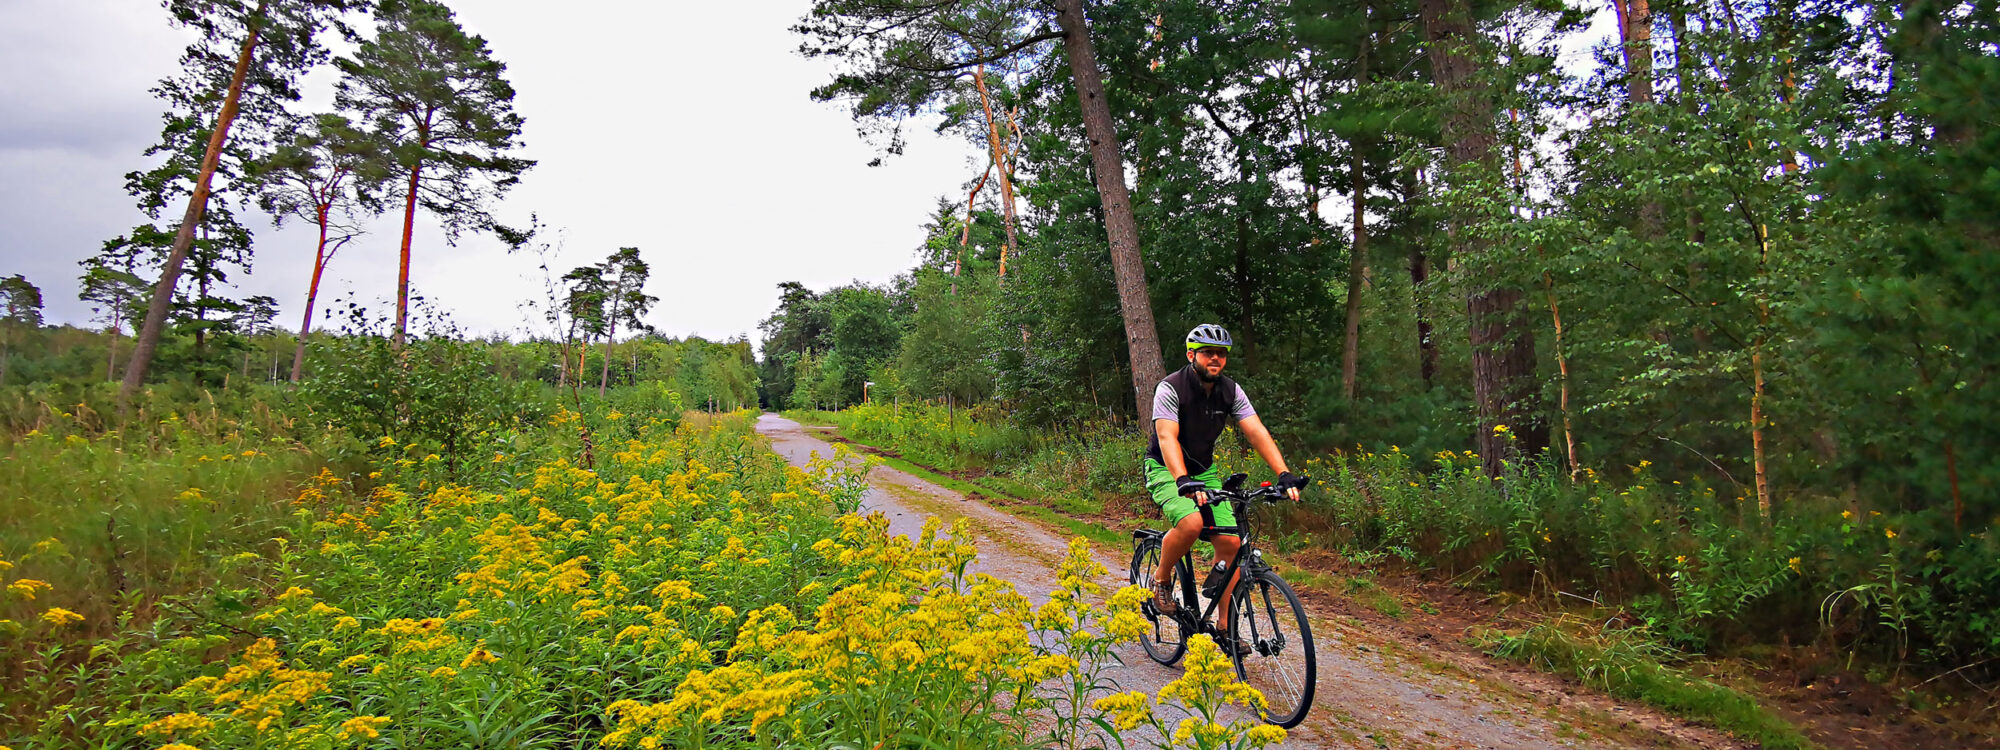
(114, 518)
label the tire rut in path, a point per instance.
(1366, 695)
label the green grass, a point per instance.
(1371, 595)
(1626, 665)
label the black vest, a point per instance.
(1203, 414)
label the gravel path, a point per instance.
(1371, 693)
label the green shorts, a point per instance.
(1165, 494)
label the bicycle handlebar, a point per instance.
(1267, 492)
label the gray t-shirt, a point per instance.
(1167, 404)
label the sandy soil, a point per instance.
(1375, 689)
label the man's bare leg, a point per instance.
(1178, 541)
(1225, 550)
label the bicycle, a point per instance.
(1264, 610)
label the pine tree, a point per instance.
(626, 301)
(329, 174)
(245, 66)
(441, 102)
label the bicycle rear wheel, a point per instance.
(1281, 662)
(1164, 641)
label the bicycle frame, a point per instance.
(1239, 502)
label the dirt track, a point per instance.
(1373, 691)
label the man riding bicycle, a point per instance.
(1190, 409)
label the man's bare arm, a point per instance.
(1170, 452)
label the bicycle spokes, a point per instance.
(1279, 662)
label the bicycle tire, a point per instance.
(1146, 560)
(1282, 663)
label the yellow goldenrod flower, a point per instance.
(60, 617)
(188, 723)
(1264, 734)
(479, 655)
(363, 727)
(27, 588)
(1128, 710)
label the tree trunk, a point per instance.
(1757, 374)
(1420, 272)
(148, 339)
(403, 266)
(1000, 163)
(1635, 33)
(965, 234)
(201, 316)
(111, 362)
(604, 378)
(1357, 256)
(1359, 253)
(1142, 338)
(1245, 334)
(1555, 317)
(1562, 369)
(1503, 346)
(312, 297)
(1357, 269)
(1010, 146)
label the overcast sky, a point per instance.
(681, 128)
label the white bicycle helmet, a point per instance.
(1208, 334)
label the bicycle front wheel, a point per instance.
(1280, 663)
(1164, 641)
